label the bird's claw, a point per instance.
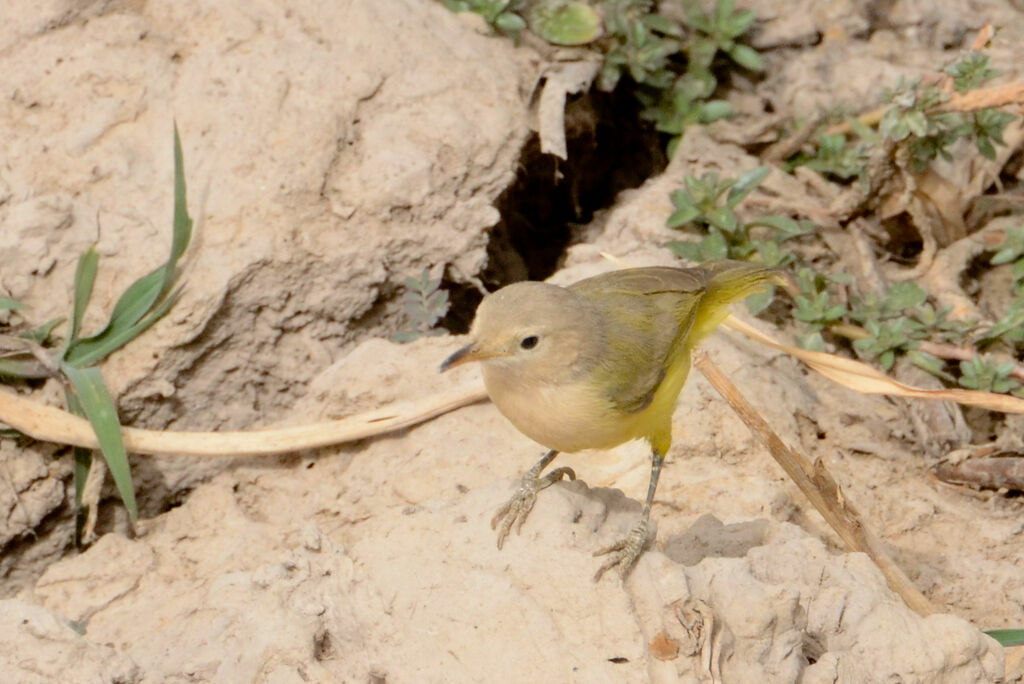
(625, 552)
(514, 511)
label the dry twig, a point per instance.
(818, 486)
(51, 424)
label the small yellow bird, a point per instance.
(599, 363)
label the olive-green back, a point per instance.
(653, 315)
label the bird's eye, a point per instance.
(529, 342)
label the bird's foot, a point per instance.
(515, 510)
(624, 553)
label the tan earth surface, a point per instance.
(334, 149)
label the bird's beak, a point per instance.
(465, 355)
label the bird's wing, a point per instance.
(642, 281)
(647, 313)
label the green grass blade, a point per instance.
(147, 294)
(83, 457)
(745, 184)
(1007, 637)
(182, 222)
(8, 304)
(82, 464)
(99, 408)
(42, 333)
(85, 277)
(135, 303)
(88, 352)
(22, 369)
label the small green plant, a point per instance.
(424, 304)
(1013, 251)
(836, 157)
(35, 354)
(1009, 329)
(815, 306)
(501, 15)
(917, 120)
(971, 72)
(707, 204)
(649, 45)
(719, 31)
(981, 373)
(673, 65)
(880, 327)
(641, 45)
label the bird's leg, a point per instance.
(515, 510)
(624, 552)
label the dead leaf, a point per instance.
(562, 79)
(865, 379)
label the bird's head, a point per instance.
(532, 329)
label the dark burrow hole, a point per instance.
(905, 243)
(972, 278)
(610, 149)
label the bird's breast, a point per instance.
(566, 416)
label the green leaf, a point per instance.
(696, 19)
(23, 370)
(985, 148)
(785, 225)
(130, 308)
(929, 363)
(83, 457)
(42, 333)
(904, 295)
(714, 246)
(971, 71)
(9, 432)
(7, 304)
(747, 57)
(663, 24)
(738, 23)
(863, 131)
(510, 23)
(561, 22)
(701, 53)
(812, 341)
(1018, 269)
(85, 276)
(182, 222)
(99, 408)
(682, 216)
(715, 110)
(723, 219)
(745, 184)
(1007, 637)
(691, 251)
(91, 351)
(134, 311)
(1004, 256)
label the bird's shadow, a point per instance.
(708, 537)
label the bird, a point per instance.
(597, 364)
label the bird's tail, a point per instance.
(728, 282)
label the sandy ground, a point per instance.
(334, 150)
